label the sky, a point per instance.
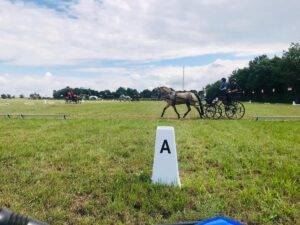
(46, 45)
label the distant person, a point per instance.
(69, 94)
(72, 94)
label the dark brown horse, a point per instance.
(174, 98)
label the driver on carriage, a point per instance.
(223, 87)
(222, 91)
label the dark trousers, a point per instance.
(221, 95)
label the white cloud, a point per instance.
(196, 77)
(101, 70)
(144, 29)
(150, 77)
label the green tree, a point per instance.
(272, 80)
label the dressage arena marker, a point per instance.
(23, 116)
(278, 118)
(165, 165)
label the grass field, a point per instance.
(95, 167)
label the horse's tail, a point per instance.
(199, 101)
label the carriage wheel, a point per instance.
(209, 111)
(236, 110)
(219, 112)
(240, 110)
(230, 111)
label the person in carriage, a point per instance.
(222, 92)
(68, 97)
(233, 90)
(223, 89)
(73, 96)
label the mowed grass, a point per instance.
(95, 167)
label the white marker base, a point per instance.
(165, 165)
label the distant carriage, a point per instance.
(125, 98)
(73, 99)
(135, 98)
(93, 98)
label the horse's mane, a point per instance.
(165, 88)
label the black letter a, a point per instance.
(165, 147)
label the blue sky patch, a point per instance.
(57, 5)
(76, 67)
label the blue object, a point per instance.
(219, 221)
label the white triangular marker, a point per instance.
(165, 165)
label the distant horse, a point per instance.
(174, 98)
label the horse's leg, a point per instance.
(188, 105)
(200, 111)
(163, 112)
(176, 111)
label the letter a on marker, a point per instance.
(165, 147)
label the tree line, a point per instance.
(106, 94)
(267, 79)
(31, 96)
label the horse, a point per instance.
(174, 98)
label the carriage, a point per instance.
(222, 107)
